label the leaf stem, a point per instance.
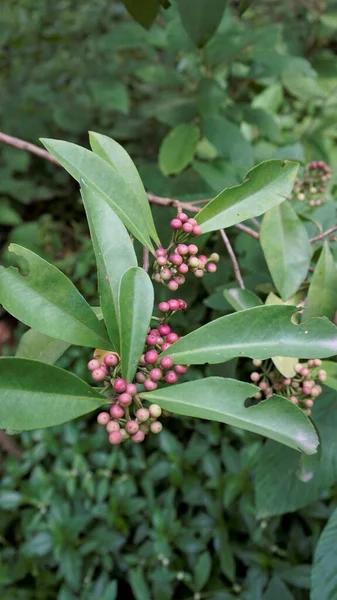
(233, 258)
(324, 234)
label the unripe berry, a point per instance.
(166, 362)
(142, 415)
(140, 377)
(115, 438)
(173, 304)
(182, 304)
(211, 267)
(300, 196)
(293, 399)
(193, 262)
(298, 368)
(315, 391)
(156, 374)
(150, 385)
(308, 403)
(165, 274)
(151, 357)
(202, 259)
(286, 381)
(322, 375)
(157, 277)
(196, 230)
(304, 372)
(98, 374)
(277, 386)
(165, 346)
(151, 339)
(172, 286)
(113, 426)
(182, 217)
(180, 369)
(131, 427)
(111, 360)
(176, 224)
(145, 428)
(164, 329)
(103, 418)
(138, 437)
(215, 257)
(120, 385)
(182, 249)
(199, 273)
(257, 362)
(255, 376)
(183, 269)
(116, 411)
(175, 259)
(124, 434)
(162, 261)
(160, 341)
(160, 252)
(171, 377)
(172, 337)
(187, 227)
(93, 364)
(125, 399)
(163, 307)
(131, 389)
(156, 427)
(155, 410)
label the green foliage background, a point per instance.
(189, 513)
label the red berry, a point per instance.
(180, 369)
(156, 374)
(151, 357)
(192, 221)
(93, 364)
(166, 362)
(172, 337)
(175, 224)
(116, 411)
(187, 227)
(182, 217)
(151, 339)
(98, 374)
(131, 389)
(119, 385)
(182, 304)
(115, 438)
(164, 329)
(150, 385)
(111, 360)
(163, 306)
(171, 377)
(103, 418)
(211, 267)
(125, 399)
(165, 346)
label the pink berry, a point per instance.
(164, 329)
(160, 341)
(293, 399)
(162, 261)
(131, 389)
(103, 418)
(140, 377)
(138, 437)
(180, 369)
(151, 357)
(150, 385)
(173, 304)
(125, 399)
(166, 362)
(163, 307)
(199, 273)
(322, 375)
(131, 427)
(306, 390)
(179, 279)
(255, 376)
(183, 269)
(172, 337)
(111, 360)
(211, 267)
(115, 438)
(182, 217)
(193, 249)
(113, 426)
(187, 227)
(160, 252)
(263, 385)
(155, 410)
(202, 259)
(304, 372)
(165, 346)
(154, 331)
(298, 367)
(286, 381)
(165, 274)
(182, 304)
(192, 222)
(98, 374)
(151, 339)
(171, 377)
(116, 411)
(93, 364)
(119, 385)
(156, 427)
(156, 374)
(142, 415)
(157, 277)
(175, 259)
(197, 230)
(172, 286)
(182, 249)
(175, 224)
(318, 362)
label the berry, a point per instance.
(171, 377)
(103, 418)
(131, 389)
(179, 279)
(131, 427)
(182, 304)
(119, 385)
(255, 376)
(151, 339)
(145, 428)
(165, 346)
(182, 249)
(156, 374)
(166, 362)
(286, 381)
(192, 221)
(98, 374)
(211, 267)
(196, 230)
(111, 360)
(163, 306)
(187, 227)
(180, 369)
(172, 337)
(175, 259)
(193, 249)
(322, 375)
(113, 426)
(298, 368)
(162, 261)
(175, 224)
(317, 362)
(194, 262)
(304, 372)
(150, 385)
(199, 273)
(202, 259)
(293, 399)
(151, 357)
(155, 410)
(215, 257)
(93, 364)
(116, 411)
(156, 427)
(173, 286)
(138, 437)
(164, 329)
(140, 377)
(182, 217)
(173, 304)
(115, 438)
(183, 268)
(263, 385)
(160, 252)
(125, 399)
(165, 274)
(257, 362)
(142, 415)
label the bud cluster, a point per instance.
(302, 389)
(128, 418)
(312, 185)
(172, 264)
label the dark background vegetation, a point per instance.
(177, 517)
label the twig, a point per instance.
(146, 263)
(233, 258)
(189, 206)
(9, 445)
(324, 234)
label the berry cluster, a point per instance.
(172, 264)
(151, 371)
(312, 185)
(302, 389)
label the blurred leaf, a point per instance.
(178, 148)
(201, 18)
(229, 141)
(38, 346)
(144, 12)
(322, 294)
(324, 572)
(202, 570)
(8, 215)
(138, 584)
(276, 590)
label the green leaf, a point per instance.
(229, 141)
(38, 346)
(8, 215)
(115, 155)
(138, 584)
(260, 332)
(47, 301)
(265, 186)
(102, 178)
(202, 570)
(286, 248)
(143, 12)
(324, 571)
(178, 148)
(34, 395)
(201, 18)
(223, 400)
(322, 294)
(241, 299)
(114, 256)
(135, 309)
(277, 590)
(285, 364)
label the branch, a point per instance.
(190, 206)
(324, 234)
(233, 258)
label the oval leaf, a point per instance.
(34, 395)
(135, 310)
(322, 295)
(38, 346)
(286, 248)
(265, 186)
(117, 157)
(260, 332)
(84, 164)
(178, 148)
(114, 256)
(223, 400)
(201, 18)
(241, 299)
(47, 300)
(143, 12)
(324, 571)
